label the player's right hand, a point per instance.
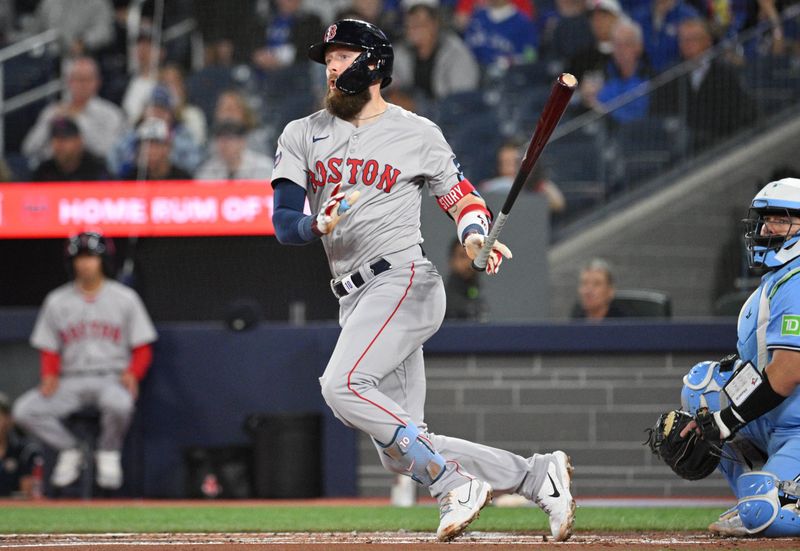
(48, 385)
(332, 211)
(473, 245)
(130, 383)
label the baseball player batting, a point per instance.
(363, 163)
(94, 337)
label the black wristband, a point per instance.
(728, 362)
(763, 399)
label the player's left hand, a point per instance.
(473, 245)
(130, 383)
(332, 211)
(674, 440)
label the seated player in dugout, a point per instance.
(94, 337)
(363, 163)
(746, 407)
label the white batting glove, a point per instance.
(336, 207)
(473, 245)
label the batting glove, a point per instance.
(473, 245)
(332, 211)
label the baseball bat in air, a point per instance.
(551, 113)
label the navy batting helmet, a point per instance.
(377, 50)
(92, 243)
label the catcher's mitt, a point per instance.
(691, 457)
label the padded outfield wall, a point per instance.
(590, 389)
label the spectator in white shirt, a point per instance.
(101, 122)
(145, 78)
(231, 160)
(85, 25)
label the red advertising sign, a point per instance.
(145, 209)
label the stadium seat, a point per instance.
(773, 81)
(18, 165)
(280, 83)
(643, 148)
(24, 73)
(523, 110)
(524, 76)
(475, 142)
(204, 87)
(576, 163)
(456, 109)
(644, 303)
(575, 157)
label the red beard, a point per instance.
(345, 106)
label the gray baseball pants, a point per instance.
(41, 416)
(375, 378)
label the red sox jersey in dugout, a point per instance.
(93, 334)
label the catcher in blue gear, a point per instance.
(746, 411)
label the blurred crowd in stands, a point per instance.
(137, 105)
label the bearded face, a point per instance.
(345, 106)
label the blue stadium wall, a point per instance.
(587, 388)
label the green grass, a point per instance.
(261, 518)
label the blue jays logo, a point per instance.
(330, 33)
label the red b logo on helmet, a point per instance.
(330, 33)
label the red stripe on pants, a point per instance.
(350, 374)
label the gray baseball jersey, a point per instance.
(94, 338)
(375, 378)
(93, 335)
(388, 161)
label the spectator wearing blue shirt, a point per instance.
(659, 23)
(287, 35)
(627, 70)
(500, 35)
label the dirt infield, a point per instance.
(377, 541)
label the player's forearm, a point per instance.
(471, 216)
(758, 395)
(292, 226)
(141, 358)
(784, 371)
(50, 363)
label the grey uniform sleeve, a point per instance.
(439, 163)
(290, 160)
(140, 329)
(45, 333)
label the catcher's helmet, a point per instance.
(779, 198)
(377, 50)
(92, 243)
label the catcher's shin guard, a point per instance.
(760, 506)
(412, 454)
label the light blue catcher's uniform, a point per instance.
(769, 320)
